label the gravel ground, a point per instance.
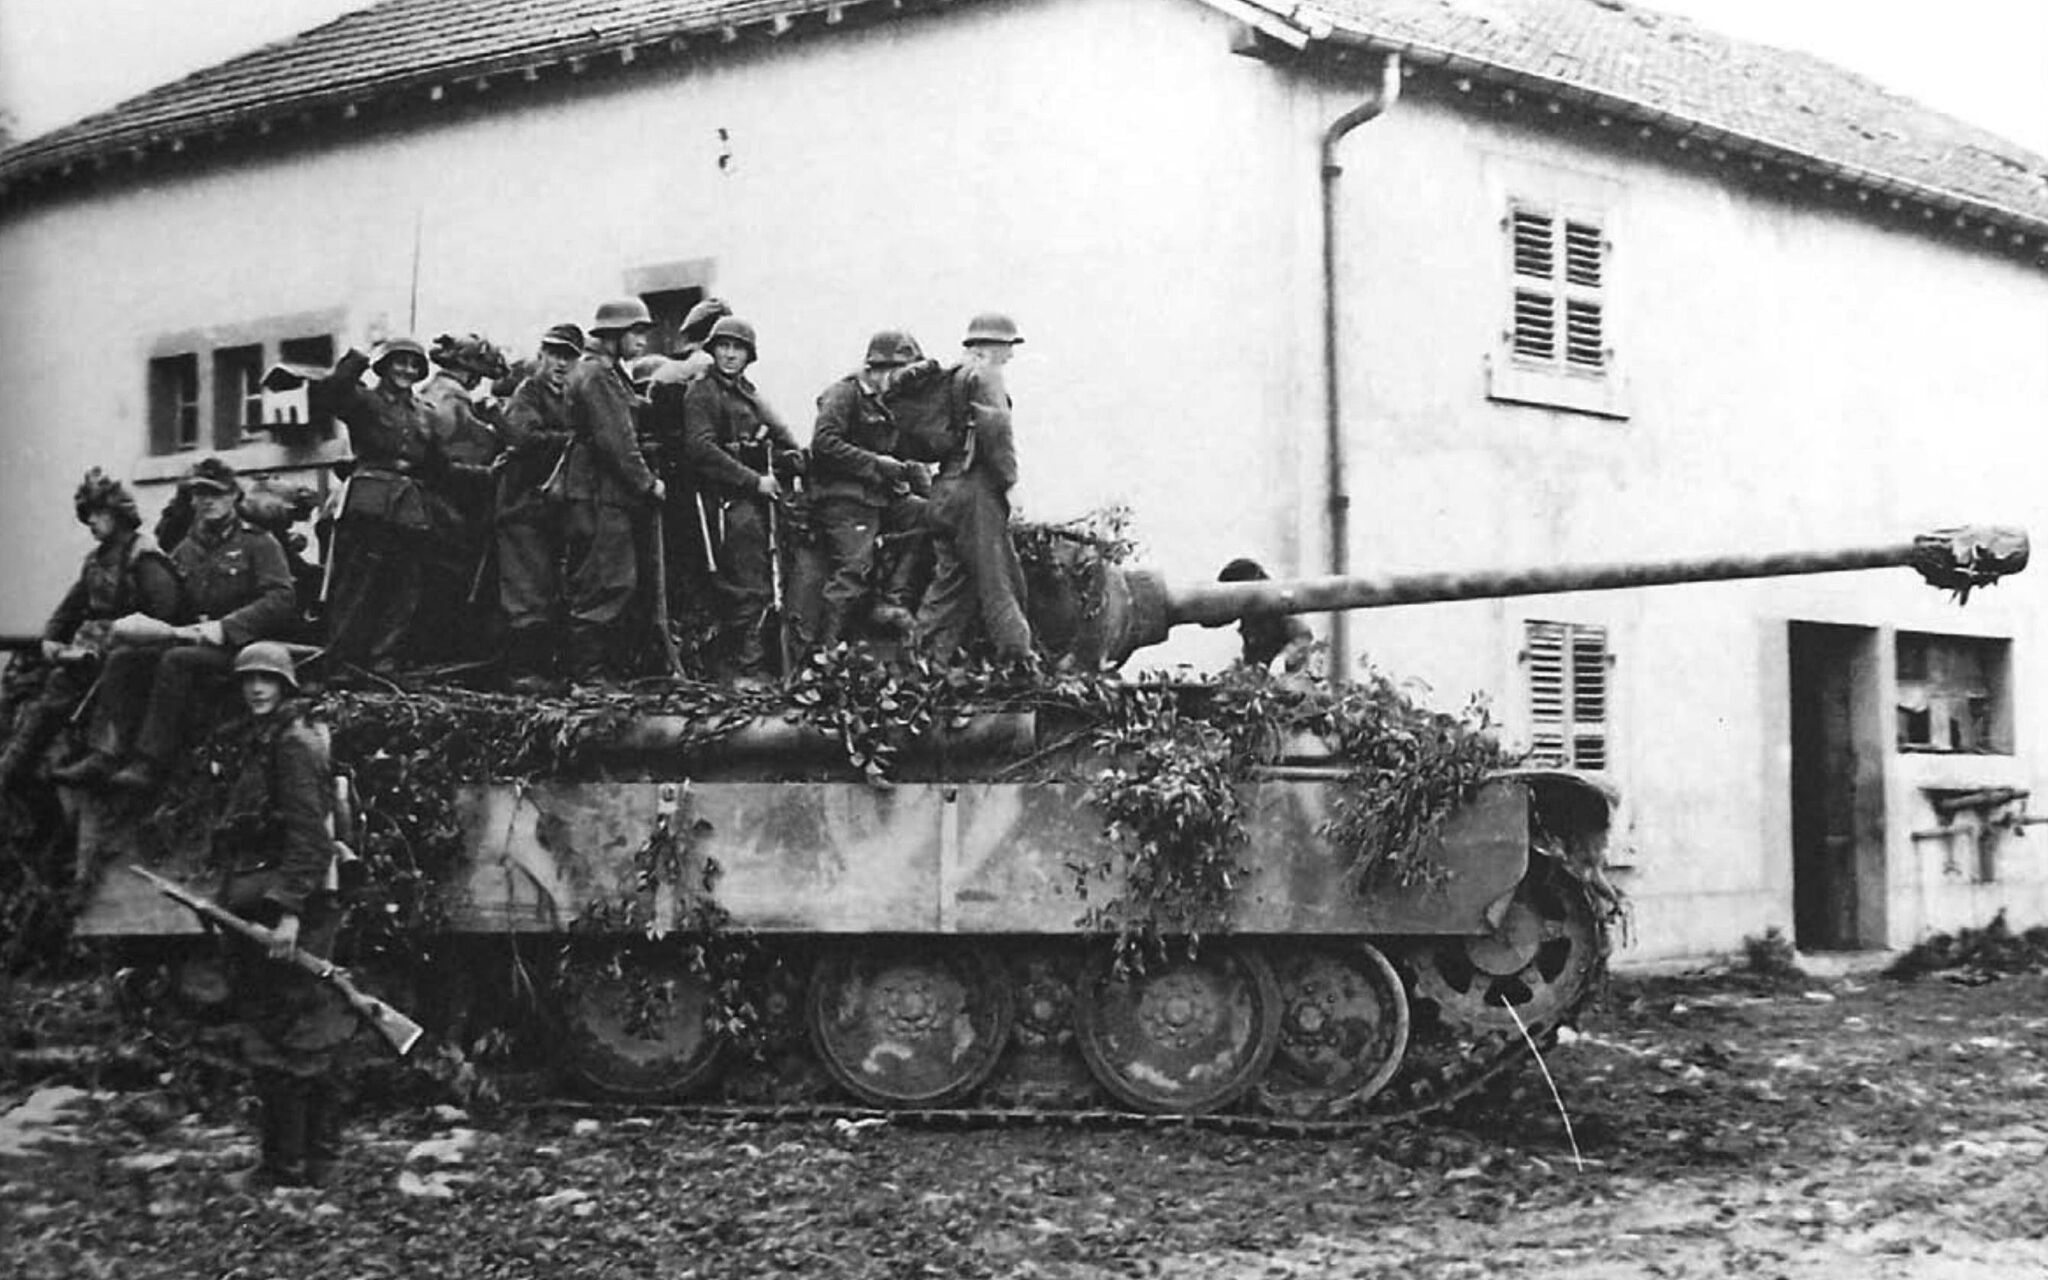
(1856, 1128)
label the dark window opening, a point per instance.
(669, 307)
(174, 404)
(1953, 694)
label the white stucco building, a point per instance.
(1606, 286)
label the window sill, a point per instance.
(254, 457)
(1605, 396)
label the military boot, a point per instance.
(529, 662)
(584, 656)
(33, 732)
(281, 1125)
(323, 1129)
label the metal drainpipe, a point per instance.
(1338, 497)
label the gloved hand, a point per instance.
(52, 650)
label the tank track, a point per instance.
(1465, 1062)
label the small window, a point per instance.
(1567, 665)
(1557, 343)
(237, 395)
(1952, 694)
(174, 403)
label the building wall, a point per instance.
(1796, 378)
(1107, 172)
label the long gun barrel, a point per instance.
(1139, 608)
(402, 1032)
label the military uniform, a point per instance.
(724, 417)
(236, 578)
(468, 435)
(1266, 638)
(962, 422)
(273, 845)
(604, 480)
(384, 529)
(862, 489)
(532, 521)
(123, 575)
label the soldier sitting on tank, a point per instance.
(1267, 638)
(732, 444)
(961, 421)
(235, 589)
(532, 512)
(277, 855)
(384, 527)
(605, 482)
(864, 490)
(124, 573)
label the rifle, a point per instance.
(400, 1031)
(669, 653)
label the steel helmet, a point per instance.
(398, 346)
(991, 326)
(891, 348)
(270, 658)
(622, 313)
(736, 329)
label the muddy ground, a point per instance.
(1859, 1128)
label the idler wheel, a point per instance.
(1343, 1030)
(1185, 1036)
(1538, 963)
(640, 1026)
(910, 1024)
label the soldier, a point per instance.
(686, 524)
(124, 573)
(977, 582)
(384, 525)
(1267, 638)
(731, 440)
(237, 589)
(274, 844)
(532, 528)
(454, 610)
(466, 427)
(604, 480)
(863, 488)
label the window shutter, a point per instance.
(1567, 673)
(1560, 305)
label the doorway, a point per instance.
(1838, 746)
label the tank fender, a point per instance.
(1569, 808)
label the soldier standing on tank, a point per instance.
(532, 526)
(685, 521)
(605, 481)
(124, 573)
(864, 489)
(731, 442)
(977, 582)
(455, 605)
(384, 527)
(236, 588)
(276, 852)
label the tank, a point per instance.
(740, 914)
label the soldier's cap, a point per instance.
(99, 491)
(211, 475)
(992, 327)
(702, 316)
(566, 336)
(470, 353)
(1242, 569)
(396, 347)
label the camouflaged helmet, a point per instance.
(101, 492)
(470, 353)
(268, 657)
(702, 317)
(892, 348)
(398, 346)
(737, 330)
(211, 475)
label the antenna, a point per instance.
(412, 311)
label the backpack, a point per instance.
(932, 419)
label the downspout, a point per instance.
(1337, 495)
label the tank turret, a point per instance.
(1137, 607)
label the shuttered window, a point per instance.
(1567, 669)
(1559, 309)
